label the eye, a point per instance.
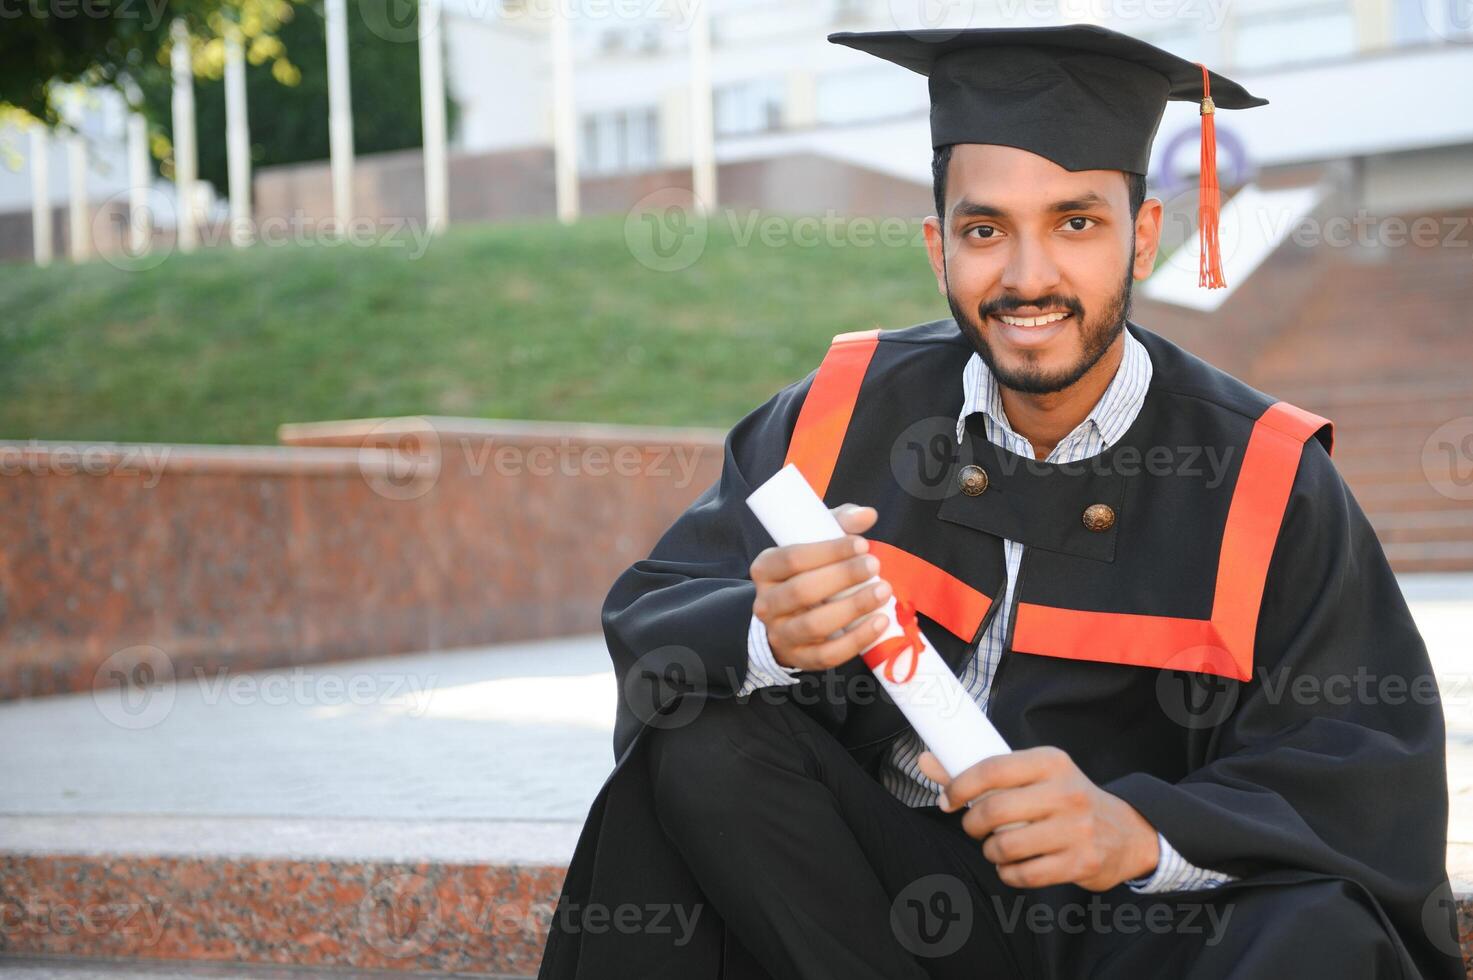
(1074, 225)
(989, 229)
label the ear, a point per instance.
(936, 250)
(1147, 237)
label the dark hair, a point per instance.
(941, 159)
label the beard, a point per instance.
(1096, 336)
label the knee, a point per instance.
(1332, 908)
(704, 771)
(1328, 923)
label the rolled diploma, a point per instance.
(942, 712)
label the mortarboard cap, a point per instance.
(1083, 96)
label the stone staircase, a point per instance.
(1401, 446)
(1379, 340)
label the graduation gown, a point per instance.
(1223, 645)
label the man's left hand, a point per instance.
(1065, 828)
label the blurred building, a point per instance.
(1369, 82)
(1370, 92)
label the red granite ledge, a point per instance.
(65, 966)
(357, 431)
(400, 916)
(363, 538)
(1465, 928)
(403, 917)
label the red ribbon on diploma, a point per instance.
(887, 652)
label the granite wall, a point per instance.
(351, 539)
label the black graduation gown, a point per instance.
(1301, 742)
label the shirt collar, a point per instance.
(1112, 415)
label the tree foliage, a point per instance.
(125, 45)
(287, 100)
(45, 44)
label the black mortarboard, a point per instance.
(1083, 96)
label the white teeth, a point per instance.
(1031, 321)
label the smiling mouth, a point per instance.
(1032, 321)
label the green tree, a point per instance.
(288, 106)
(112, 43)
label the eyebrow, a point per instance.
(966, 208)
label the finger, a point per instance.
(833, 652)
(998, 808)
(808, 589)
(780, 564)
(1047, 836)
(1039, 872)
(856, 519)
(1004, 771)
(933, 770)
(821, 622)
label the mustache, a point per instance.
(1008, 305)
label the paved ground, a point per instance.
(442, 753)
(519, 732)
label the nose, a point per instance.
(1031, 270)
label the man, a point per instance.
(1149, 574)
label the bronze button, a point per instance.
(973, 479)
(1099, 517)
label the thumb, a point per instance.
(855, 519)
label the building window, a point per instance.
(861, 94)
(620, 141)
(1293, 34)
(749, 107)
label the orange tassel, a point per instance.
(1209, 198)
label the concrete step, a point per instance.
(112, 868)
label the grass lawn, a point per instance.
(526, 320)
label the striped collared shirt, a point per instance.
(1106, 422)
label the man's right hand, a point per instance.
(807, 628)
